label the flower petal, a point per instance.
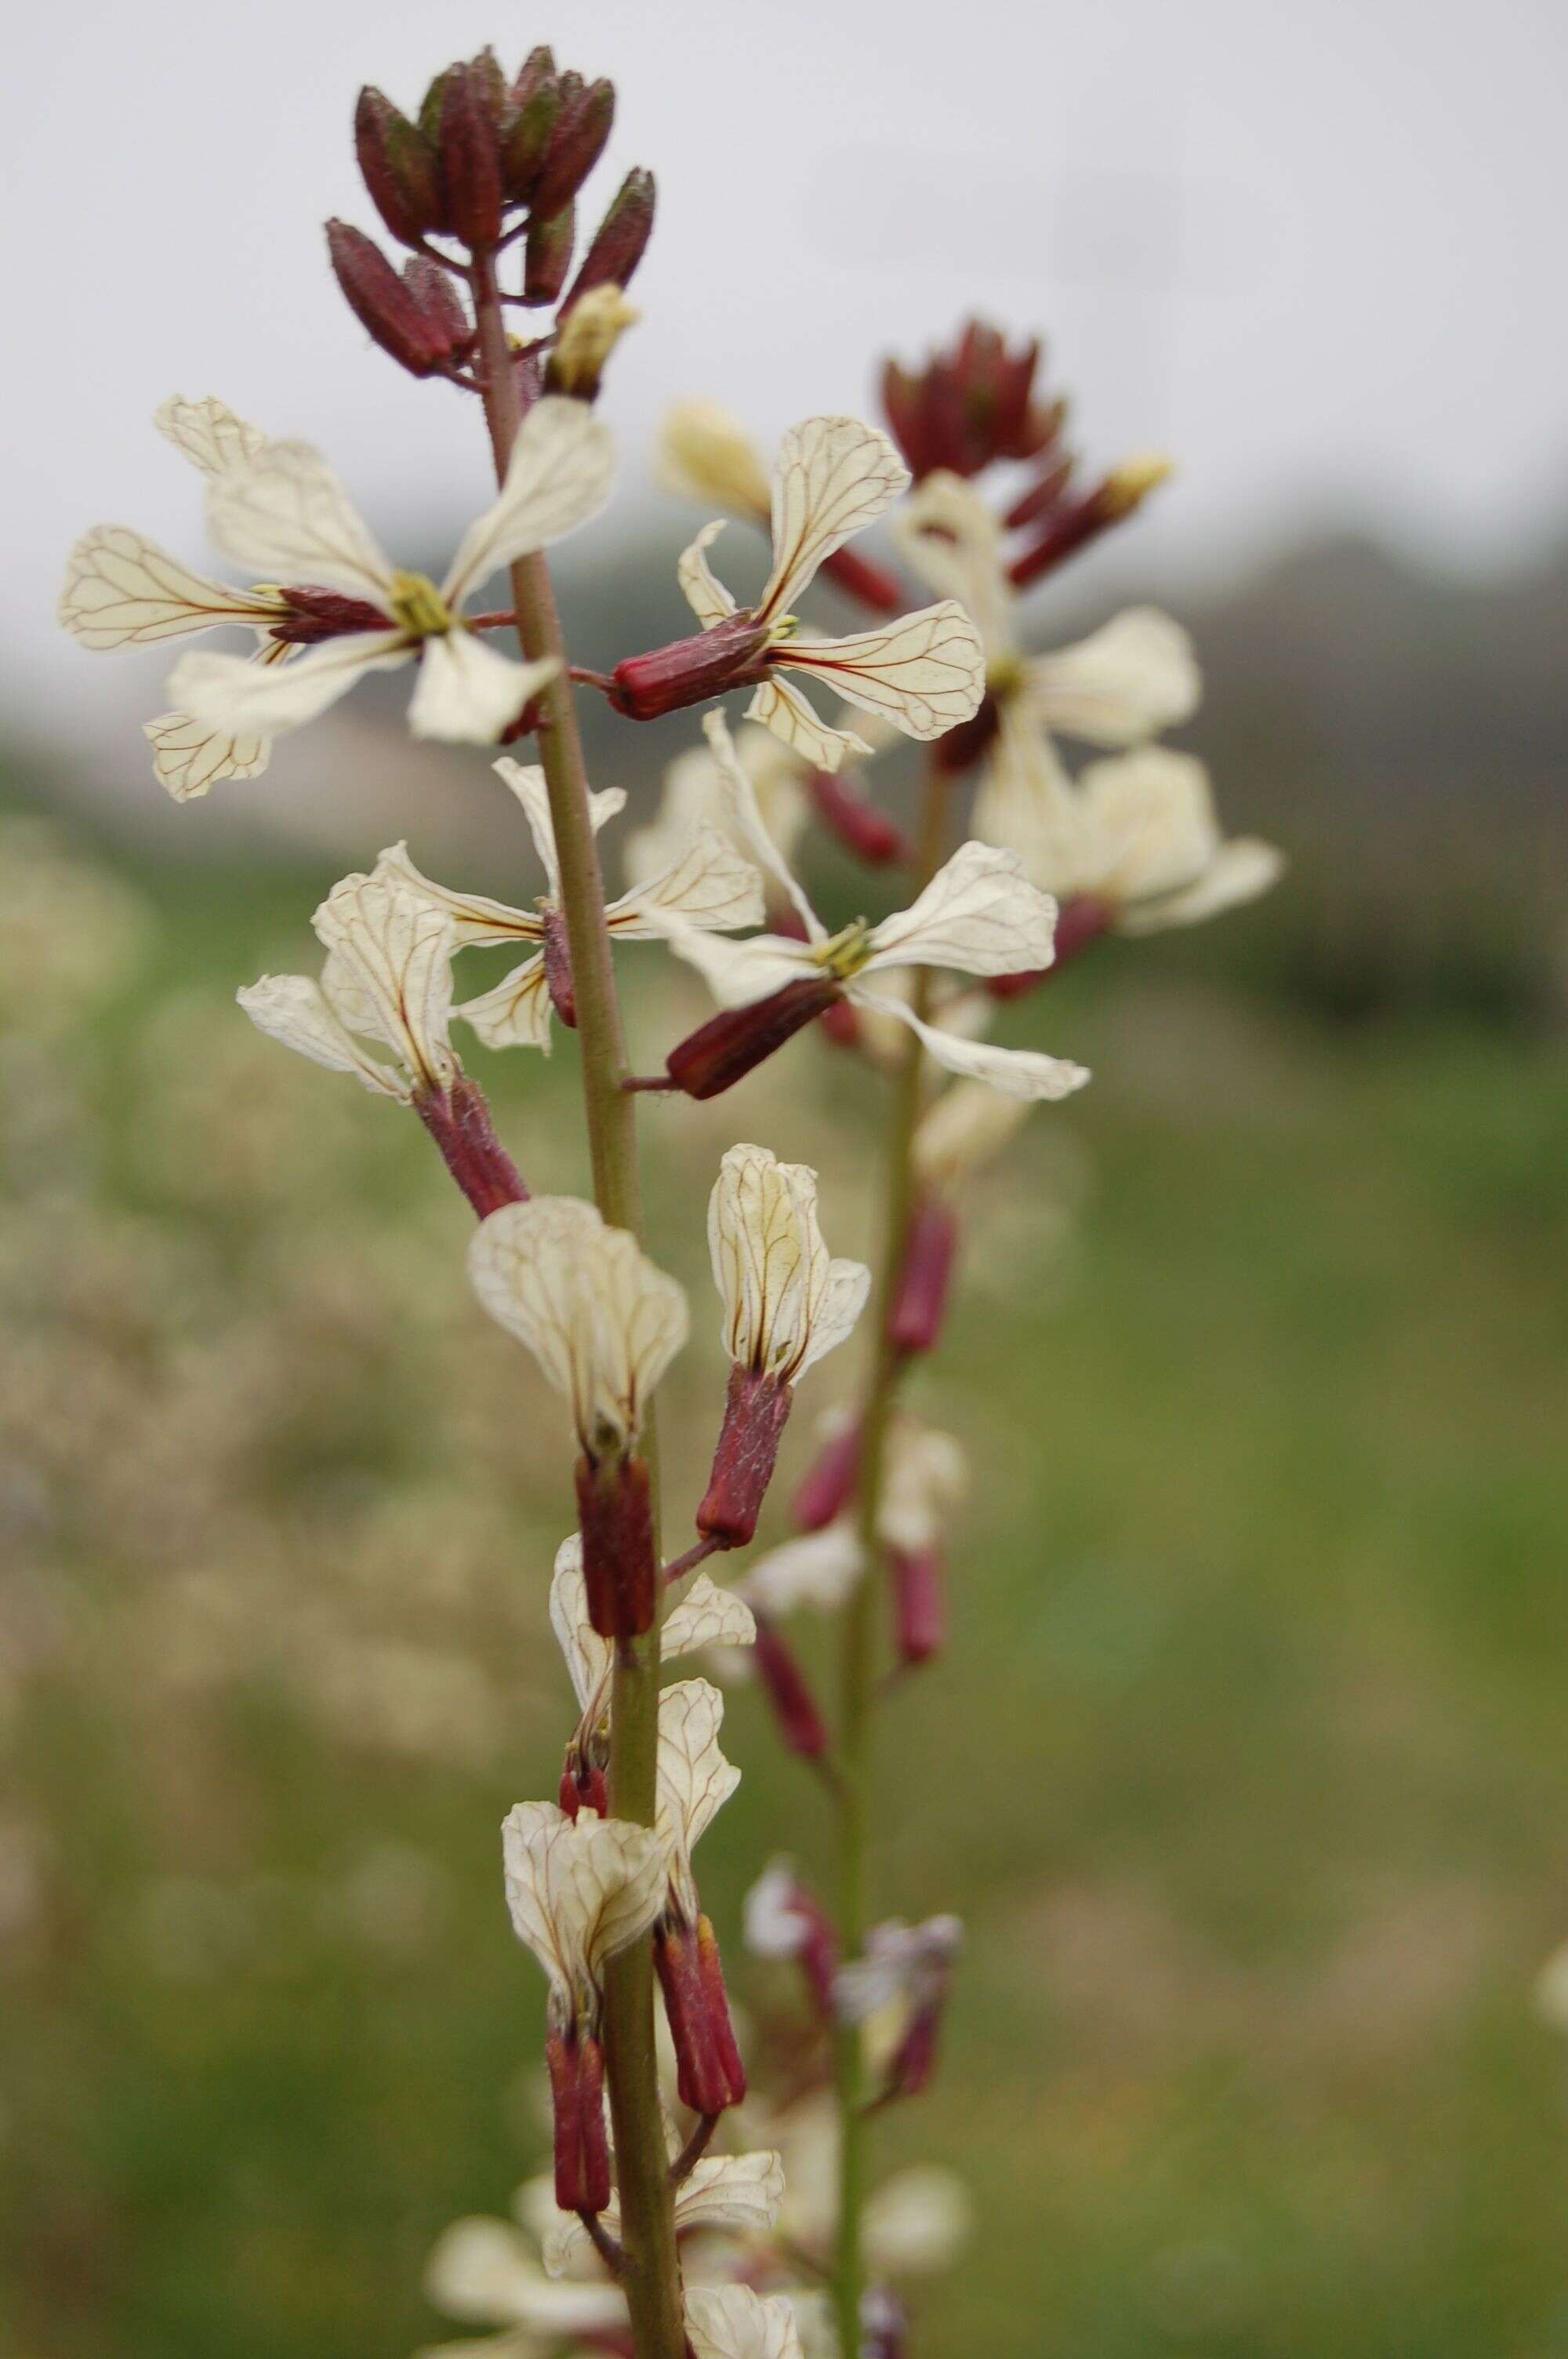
(560, 472)
(1125, 682)
(742, 796)
(294, 1009)
(785, 1301)
(704, 453)
(189, 758)
(475, 918)
(917, 2222)
(1018, 1072)
(1240, 871)
(1027, 804)
(950, 537)
(727, 2194)
(700, 587)
(710, 886)
(731, 2321)
(234, 694)
(695, 796)
(527, 782)
(123, 591)
(483, 2271)
(208, 433)
(926, 673)
(739, 973)
(779, 705)
(818, 1570)
(467, 693)
(579, 1889)
(285, 514)
(398, 950)
(832, 477)
(979, 913)
(695, 1779)
(516, 1012)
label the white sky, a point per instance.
(1314, 250)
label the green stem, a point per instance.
(651, 2273)
(858, 1657)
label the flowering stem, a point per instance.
(858, 1692)
(651, 2273)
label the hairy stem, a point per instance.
(858, 1692)
(649, 2274)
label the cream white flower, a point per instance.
(578, 1890)
(705, 885)
(961, 1132)
(695, 797)
(603, 1322)
(916, 2222)
(123, 591)
(695, 1781)
(925, 1476)
(1124, 683)
(285, 514)
(1137, 835)
(724, 2195)
(732, 2323)
(980, 914)
(387, 977)
(786, 1303)
(703, 1616)
(485, 2271)
(705, 453)
(924, 672)
(819, 1570)
(899, 1961)
(925, 2197)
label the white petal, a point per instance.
(709, 886)
(293, 1009)
(528, 783)
(979, 913)
(208, 433)
(189, 758)
(951, 538)
(747, 818)
(695, 1779)
(779, 705)
(589, 1658)
(233, 692)
(483, 2271)
(398, 950)
(603, 1322)
(732, 2323)
(705, 1615)
(475, 918)
(739, 973)
(926, 673)
(516, 1012)
(916, 2222)
(818, 1570)
(832, 477)
(706, 455)
(774, 1926)
(1125, 682)
(579, 1889)
(467, 693)
(124, 591)
(725, 2194)
(926, 1477)
(1239, 870)
(1018, 1072)
(786, 1303)
(700, 587)
(1027, 804)
(562, 465)
(695, 796)
(965, 1129)
(285, 514)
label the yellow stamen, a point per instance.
(845, 954)
(418, 607)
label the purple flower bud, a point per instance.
(470, 159)
(547, 253)
(536, 98)
(619, 241)
(794, 1707)
(710, 2073)
(920, 1294)
(576, 143)
(399, 168)
(385, 305)
(829, 1483)
(920, 1613)
(858, 824)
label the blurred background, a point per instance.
(1247, 1765)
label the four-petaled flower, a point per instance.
(285, 512)
(387, 977)
(732, 2323)
(980, 914)
(787, 1302)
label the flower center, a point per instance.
(1005, 676)
(418, 607)
(845, 954)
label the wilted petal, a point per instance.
(700, 587)
(560, 475)
(603, 1322)
(695, 1779)
(1125, 682)
(732, 2323)
(979, 913)
(124, 591)
(208, 433)
(235, 693)
(579, 1889)
(285, 515)
(189, 758)
(704, 1616)
(1019, 1072)
(832, 477)
(709, 886)
(725, 2194)
(779, 705)
(294, 1009)
(785, 1301)
(398, 950)
(467, 693)
(926, 673)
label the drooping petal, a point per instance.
(738, 973)
(695, 1779)
(732, 2323)
(785, 1301)
(1026, 803)
(514, 1013)
(1240, 871)
(700, 585)
(704, 453)
(1125, 682)
(579, 1889)
(560, 475)
(779, 705)
(527, 782)
(285, 514)
(917, 2222)
(190, 758)
(1019, 1072)
(603, 1322)
(467, 693)
(207, 432)
(398, 949)
(475, 918)
(1149, 822)
(748, 822)
(979, 913)
(695, 796)
(926, 673)
(124, 591)
(233, 692)
(709, 886)
(832, 477)
(965, 1129)
(950, 536)
(294, 1009)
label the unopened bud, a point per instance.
(829, 1484)
(575, 2066)
(459, 1120)
(432, 290)
(584, 342)
(621, 239)
(490, 82)
(920, 1612)
(756, 1408)
(1071, 524)
(547, 253)
(384, 304)
(471, 160)
(620, 1566)
(690, 671)
(536, 97)
(726, 1048)
(575, 144)
(1127, 485)
(399, 168)
(919, 1293)
(858, 824)
(558, 968)
(709, 2075)
(800, 1724)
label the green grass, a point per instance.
(1247, 1766)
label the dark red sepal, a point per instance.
(723, 1051)
(864, 829)
(620, 1565)
(575, 2066)
(919, 1300)
(756, 1408)
(459, 1120)
(689, 671)
(558, 968)
(920, 1610)
(709, 2075)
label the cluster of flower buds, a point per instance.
(485, 159)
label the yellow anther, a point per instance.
(418, 607)
(845, 954)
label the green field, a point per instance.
(1247, 1766)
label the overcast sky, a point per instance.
(1315, 251)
